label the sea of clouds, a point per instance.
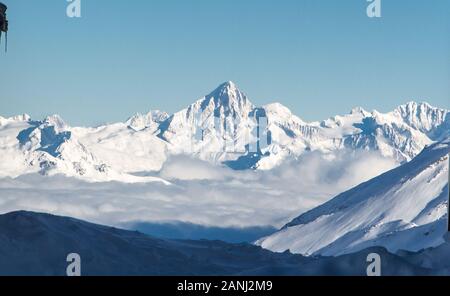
(201, 193)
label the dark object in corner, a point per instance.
(4, 24)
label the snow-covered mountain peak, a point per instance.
(55, 121)
(227, 87)
(277, 108)
(277, 112)
(159, 116)
(218, 122)
(413, 110)
(359, 111)
(22, 117)
(412, 106)
(17, 118)
(227, 115)
(142, 121)
(423, 117)
(227, 97)
(229, 84)
(225, 127)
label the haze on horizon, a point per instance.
(319, 58)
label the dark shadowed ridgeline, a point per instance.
(189, 231)
(38, 244)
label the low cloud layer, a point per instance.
(202, 193)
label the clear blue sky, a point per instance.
(318, 57)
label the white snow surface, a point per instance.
(403, 209)
(51, 147)
(157, 167)
(228, 134)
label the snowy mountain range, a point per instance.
(223, 127)
(403, 209)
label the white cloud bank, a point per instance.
(202, 193)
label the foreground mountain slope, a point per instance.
(38, 244)
(403, 209)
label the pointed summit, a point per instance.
(56, 121)
(359, 111)
(228, 86)
(422, 116)
(140, 121)
(227, 96)
(416, 109)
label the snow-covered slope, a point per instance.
(386, 133)
(151, 120)
(51, 147)
(223, 127)
(214, 128)
(403, 209)
(123, 148)
(12, 161)
(433, 122)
